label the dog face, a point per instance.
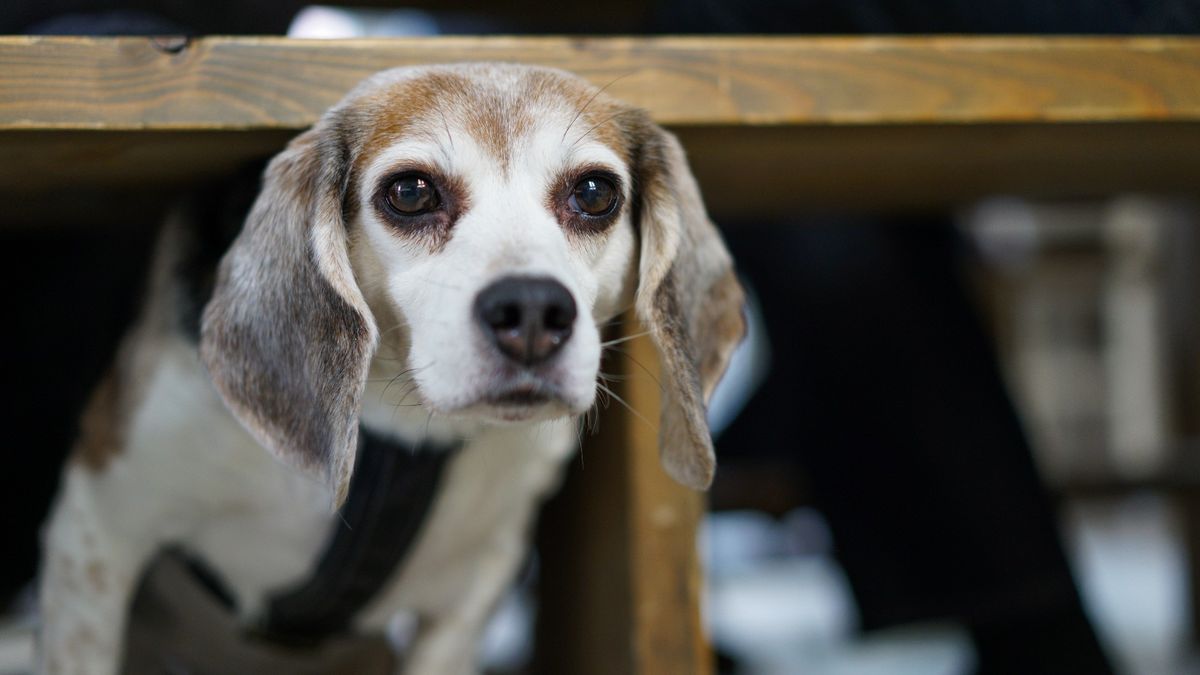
(496, 223)
(472, 226)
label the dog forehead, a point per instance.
(498, 106)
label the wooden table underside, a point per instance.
(878, 123)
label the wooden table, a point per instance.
(772, 125)
(880, 123)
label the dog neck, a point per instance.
(391, 493)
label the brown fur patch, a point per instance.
(595, 114)
(97, 576)
(385, 117)
(437, 104)
(725, 329)
(102, 427)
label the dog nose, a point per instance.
(528, 319)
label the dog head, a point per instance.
(477, 224)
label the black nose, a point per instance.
(528, 319)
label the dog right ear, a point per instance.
(688, 296)
(287, 337)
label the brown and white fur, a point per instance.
(327, 311)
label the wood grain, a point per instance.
(859, 123)
(665, 519)
(621, 584)
(277, 83)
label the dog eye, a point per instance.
(594, 196)
(412, 195)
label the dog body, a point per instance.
(263, 526)
(434, 261)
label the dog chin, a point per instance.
(517, 405)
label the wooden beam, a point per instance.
(621, 583)
(278, 83)
(861, 123)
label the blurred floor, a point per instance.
(781, 613)
(780, 605)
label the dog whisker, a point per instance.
(594, 420)
(627, 338)
(428, 420)
(611, 377)
(622, 401)
(391, 330)
(406, 375)
(408, 391)
(579, 428)
(446, 125)
(597, 125)
(639, 364)
(617, 319)
(589, 102)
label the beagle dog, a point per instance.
(431, 266)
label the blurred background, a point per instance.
(962, 441)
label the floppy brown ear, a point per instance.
(287, 337)
(688, 297)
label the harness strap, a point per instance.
(391, 492)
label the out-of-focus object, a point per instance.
(329, 23)
(1080, 293)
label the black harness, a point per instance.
(391, 492)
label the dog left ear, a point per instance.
(688, 296)
(287, 337)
